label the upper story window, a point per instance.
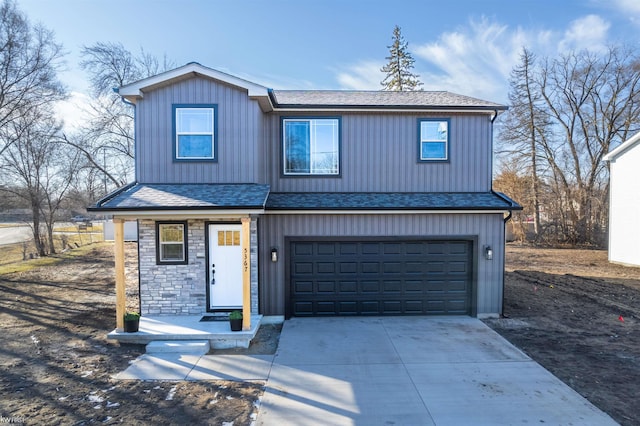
(434, 139)
(195, 132)
(311, 146)
(171, 242)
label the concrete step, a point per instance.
(191, 347)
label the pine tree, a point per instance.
(398, 70)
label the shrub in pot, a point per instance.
(131, 322)
(235, 320)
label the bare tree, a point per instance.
(107, 141)
(524, 121)
(41, 170)
(580, 106)
(29, 61)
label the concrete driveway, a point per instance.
(412, 371)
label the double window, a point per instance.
(311, 146)
(171, 242)
(195, 132)
(433, 144)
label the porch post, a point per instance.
(246, 273)
(121, 303)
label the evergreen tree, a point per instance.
(398, 70)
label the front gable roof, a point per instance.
(624, 147)
(134, 91)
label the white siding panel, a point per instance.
(624, 216)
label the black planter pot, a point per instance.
(131, 326)
(236, 324)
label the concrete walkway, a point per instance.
(388, 371)
(412, 371)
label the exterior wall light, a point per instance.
(488, 253)
(274, 254)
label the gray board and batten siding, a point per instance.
(379, 150)
(240, 135)
(278, 230)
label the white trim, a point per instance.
(399, 110)
(135, 90)
(611, 156)
(182, 214)
(268, 212)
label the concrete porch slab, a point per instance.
(188, 327)
(196, 347)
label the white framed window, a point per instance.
(171, 246)
(195, 132)
(433, 143)
(311, 146)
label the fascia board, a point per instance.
(382, 212)
(135, 90)
(611, 156)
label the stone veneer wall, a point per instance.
(181, 289)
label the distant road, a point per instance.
(15, 234)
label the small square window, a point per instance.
(171, 239)
(433, 144)
(195, 132)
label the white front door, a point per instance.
(225, 267)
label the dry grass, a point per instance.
(64, 239)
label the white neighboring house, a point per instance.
(624, 202)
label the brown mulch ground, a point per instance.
(570, 310)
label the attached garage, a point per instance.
(379, 276)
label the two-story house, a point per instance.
(311, 203)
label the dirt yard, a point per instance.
(570, 310)
(56, 363)
(578, 316)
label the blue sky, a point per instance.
(463, 46)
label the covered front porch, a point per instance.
(176, 295)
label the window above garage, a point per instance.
(311, 146)
(433, 143)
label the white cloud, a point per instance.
(629, 7)
(477, 59)
(589, 32)
(364, 75)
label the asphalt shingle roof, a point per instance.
(186, 196)
(378, 99)
(390, 201)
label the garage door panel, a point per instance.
(303, 287)
(347, 287)
(411, 277)
(326, 249)
(326, 268)
(370, 286)
(304, 268)
(348, 268)
(326, 287)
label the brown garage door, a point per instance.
(383, 277)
